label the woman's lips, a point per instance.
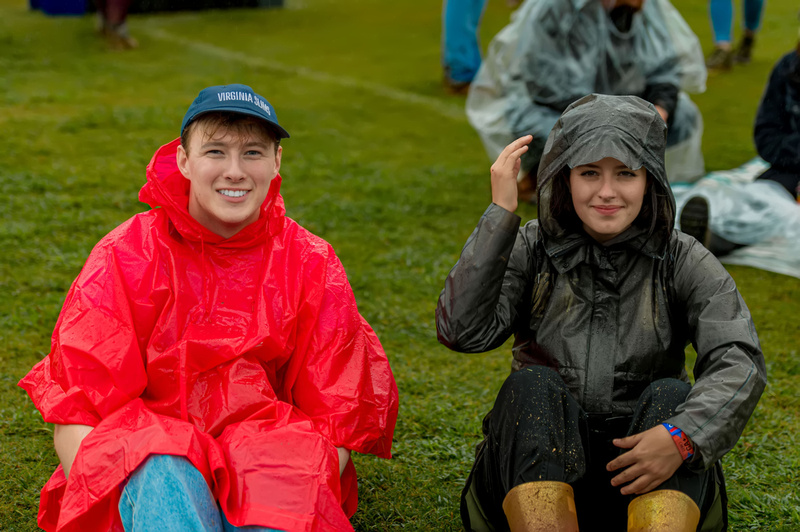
(606, 210)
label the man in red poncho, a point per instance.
(210, 369)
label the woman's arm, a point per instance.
(478, 307)
(730, 373)
(67, 440)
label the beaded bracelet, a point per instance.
(683, 442)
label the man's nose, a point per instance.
(235, 171)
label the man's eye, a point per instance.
(253, 153)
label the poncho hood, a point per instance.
(166, 188)
(597, 126)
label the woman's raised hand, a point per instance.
(504, 173)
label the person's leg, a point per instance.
(531, 435)
(461, 55)
(721, 12)
(168, 493)
(117, 11)
(751, 20)
(752, 15)
(659, 402)
(115, 27)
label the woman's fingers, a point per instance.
(504, 173)
(516, 148)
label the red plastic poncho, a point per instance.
(247, 356)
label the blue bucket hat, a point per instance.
(234, 98)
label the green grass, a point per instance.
(381, 163)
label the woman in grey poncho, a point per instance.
(602, 295)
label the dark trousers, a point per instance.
(537, 431)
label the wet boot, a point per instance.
(543, 506)
(663, 511)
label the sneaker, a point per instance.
(694, 220)
(745, 50)
(452, 86)
(118, 38)
(720, 59)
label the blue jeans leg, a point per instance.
(721, 19)
(167, 493)
(461, 54)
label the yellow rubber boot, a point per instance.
(543, 506)
(663, 511)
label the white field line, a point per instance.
(432, 104)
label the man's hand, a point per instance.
(653, 458)
(67, 440)
(504, 173)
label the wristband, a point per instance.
(683, 442)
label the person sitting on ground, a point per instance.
(777, 127)
(556, 51)
(777, 139)
(602, 295)
(209, 367)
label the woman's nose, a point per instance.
(607, 188)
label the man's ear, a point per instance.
(278, 155)
(183, 161)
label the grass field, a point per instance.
(381, 163)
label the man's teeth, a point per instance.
(233, 193)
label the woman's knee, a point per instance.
(668, 393)
(658, 402)
(530, 393)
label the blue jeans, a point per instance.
(461, 54)
(722, 17)
(168, 493)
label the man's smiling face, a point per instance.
(230, 174)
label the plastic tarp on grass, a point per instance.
(760, 215)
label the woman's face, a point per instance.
(607, 196)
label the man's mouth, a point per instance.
(232, 193)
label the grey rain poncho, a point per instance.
(556, 51)
(609, 318)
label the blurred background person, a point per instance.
(721, 11)
(111, 23)
(777, 127)
(556, 51)
(461, 54)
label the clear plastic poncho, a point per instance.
(758, 215)
(554, 52)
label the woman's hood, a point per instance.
(597, 126)
(166, 188)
